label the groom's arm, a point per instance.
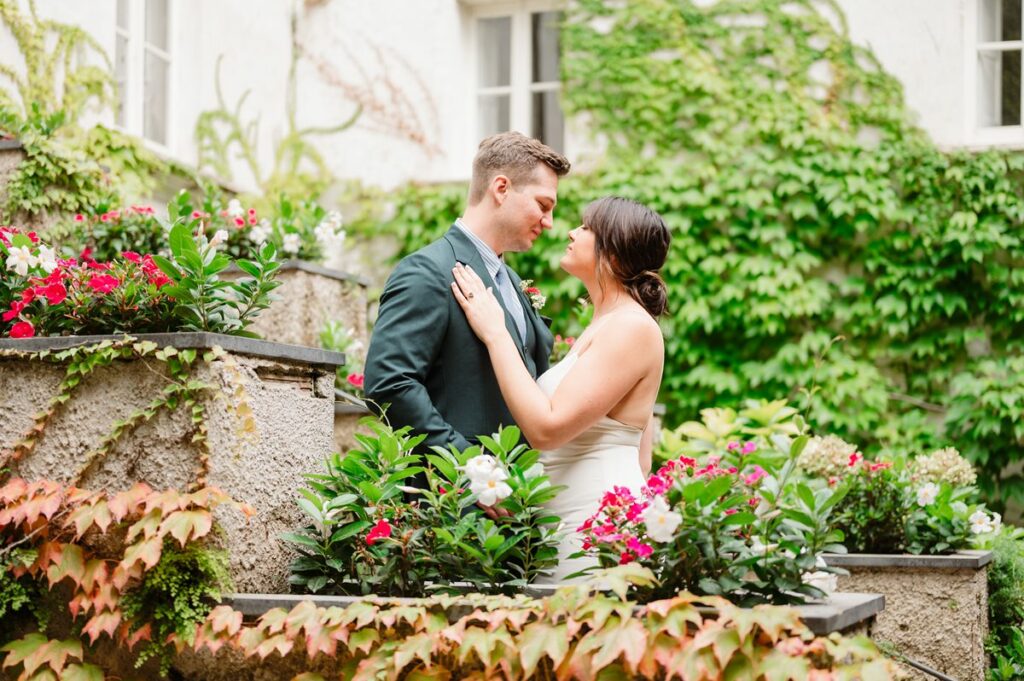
(407, 337)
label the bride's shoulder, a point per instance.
(630, 326)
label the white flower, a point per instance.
(291, 243)
(491, 490)
(926, 493)
(219, 237)
(47, 258)
(258, 234)
(981, 523)
(661, 522)
(19, 259)
(826, 581)
(235, 209)
(480, 467)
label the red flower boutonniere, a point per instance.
(537, 299)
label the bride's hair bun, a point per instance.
(632, 241)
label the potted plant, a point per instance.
(144, 368)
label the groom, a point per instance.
(424, 359)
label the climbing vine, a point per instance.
(804, 206)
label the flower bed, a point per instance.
(347, 417)
(173, 409)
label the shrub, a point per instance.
(1005, 642)
(372, 533)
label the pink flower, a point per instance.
(732, 445)
(103, 283)
(23, 330)
(132, 256)
(253, 220)
(105, 217)
(356, 380)
(879, 466)
(587, 524)
(252, 212)
(635, 511)
(379, 531)
(749, 447)
(731, 511)
(855, 458)
(753, 478)
(79, 217)
(239, 222)
(640, 549)
(753, 501)
(626, 558)
(532, 291)
(832, 481)
(16, 307)
(33, 237)
(569, 340)
(657, 485)
(198, 215)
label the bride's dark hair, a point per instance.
(631, 242)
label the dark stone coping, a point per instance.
(841, 612)
(199, 340)
(10, 145)
(313, 268)
(962, 560)
(349, 408)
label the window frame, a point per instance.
(133, 99)
(1006, 136)
(521, 87)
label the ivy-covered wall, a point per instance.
(805, 206)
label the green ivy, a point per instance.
(804, 207)
(176, 596)
(1005, 641)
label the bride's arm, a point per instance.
(613, 364)
(647, 448)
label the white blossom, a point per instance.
(291, 243)
(20, 258)
(480, 467)
(982, 523)
(661, 522)
(487, 479)
(235, 209)
(47, 258)
(258, 234)
(927, 493)
(826, 581)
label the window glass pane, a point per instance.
(154, 111)
(999, 20)
(121, 74)
(156, 23)
(548, 124)
(544, 36)
(999, 88)
(494, 114)
(122, 14)
(494, 51)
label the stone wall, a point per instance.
(936, 608)
(292, 405)
(309, 297)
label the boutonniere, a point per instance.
(537, 299)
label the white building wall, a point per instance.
(418, 53)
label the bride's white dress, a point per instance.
(605, 455)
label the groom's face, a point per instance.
(528, 209)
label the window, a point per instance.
(518, 79)
(142, 64)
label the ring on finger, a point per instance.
(469, 295)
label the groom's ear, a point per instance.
(500, 187)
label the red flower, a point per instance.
(16, 307)
(23, 330)
(252, 212)
(86, 254)
(105, 217)
(379, 531)
(855, 458)
(532, 291)
(253, 220)
(103, 283)
(33, 237)
(55, 293)
(239, 223)
(132, 256)
(27, 296)
(79, 217)
(626, 558)
(356, 380)
(198, 214)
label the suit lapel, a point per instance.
(467, 253)
(540, 329)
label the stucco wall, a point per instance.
(934, 616)
(293, 412)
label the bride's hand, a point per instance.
(483, 311)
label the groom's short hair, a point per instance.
(513, 155)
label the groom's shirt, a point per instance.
(496, 268)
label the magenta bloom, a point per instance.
(103, 283)
(754, 477)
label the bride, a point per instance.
(589, 413)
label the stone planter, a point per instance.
(936, 607)
(348, 412)
(845, 613)
(310, 296)
(258, 459)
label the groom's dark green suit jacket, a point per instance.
(424, 359)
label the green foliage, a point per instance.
(176, 596)
(874, 517)
(803, 206)
(336, 337)
(1005, 642)
(367, 535)
(54, 177)
(15, 593)
(58, 69)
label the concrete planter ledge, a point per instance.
(936, 607)
(11, 145)
(963, 560)
(199, 340)
(842, 612)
